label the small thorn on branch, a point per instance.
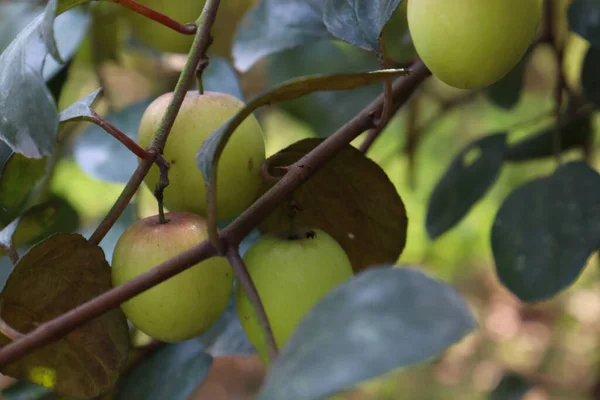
(186, 29)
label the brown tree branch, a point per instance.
(241, 273)
(186, 29)
(298, 173)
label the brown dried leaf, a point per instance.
(351, 198)
(54, 277)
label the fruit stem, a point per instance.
(204, 61)
(186, 29)
(241, 274)
(163, 182)
(201, 41)
(120, 136)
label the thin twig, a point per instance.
(206, 20)
(386, 112)
(298, 173)
(244, 279)
(120, 136)
(186, 29)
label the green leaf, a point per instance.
(574, 131)
(24, 390)
(23, 93)
(511, 387)
(590, 79)
(359, 22)
(69, 29)
(14, 17)
(546, 230)
(18, 179)
(209, 153)
(102, 156)
(369, 224)
(382, 319)
(172, 372)
(472, 172)
(81, 110)
(583, 20)
(324, 57)
(507, 91)
(54, 277)
(275, 25)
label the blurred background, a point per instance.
(550, 350)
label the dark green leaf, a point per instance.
(54, 277)
(465, 182)
(276, 25)
(18, 178)
(24, 390)
(590, 78)
(369, 224)
(511, 387)
(102, 156)
(574, 131)
(324, 57)
(81, 110)
(507, 91)
(359, 22)
(172, 372)
(584, 20)
(219, 76)
(23, 94)
(382, 319)
(546, 230)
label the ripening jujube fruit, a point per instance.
(291, 274)
(185, 305)
(238, 178)
(471, 44)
